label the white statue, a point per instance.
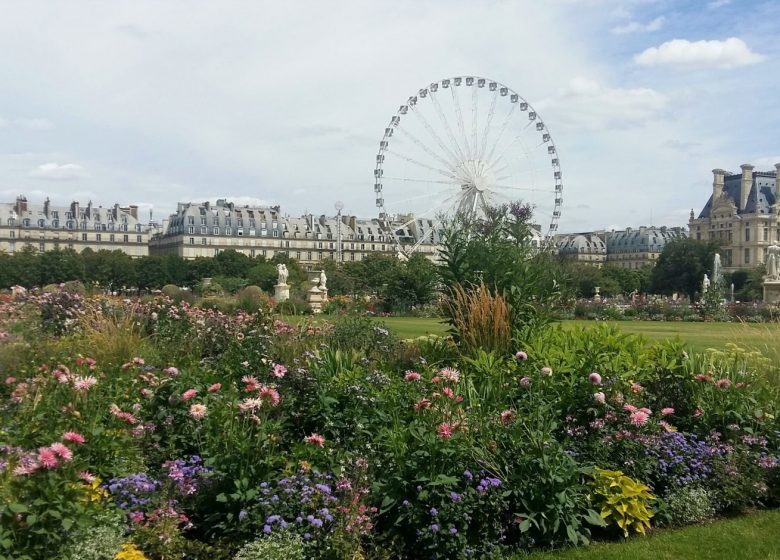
(773, 254)
(281, 269)
(705, 284)
(323, 280)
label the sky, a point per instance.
(158, 102)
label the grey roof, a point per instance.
(641, 240)
(585, 243)
(760, 199)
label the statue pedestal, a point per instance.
(324, 292)
(771, 291)
(314, 297)
(281, 292)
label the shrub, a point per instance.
(170, 290)
(277, 546)
(624, 501)
(690, 504)
(293, 306)
(252, 299)
(99, 543)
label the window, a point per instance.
(192, 241)
(83, 236)
(126, 238)
(97, 237)
(203, 230)
(191, 229)
(111, 238)
(41, 247)
(276, 233)
(308, 255)
(228, 231)
(747, 256)
(747, 236)
(215, 231)
(12, 234)
(766, 234)
(191, 220)
(202, 240)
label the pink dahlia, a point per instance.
(74, 437)
(630, 408)
(214, 388)
(638, 418)
(315, 439)
(172, 371)
(83, 384)
(546, 371)
(47, 458)
(279, 371)
(507, 416)
(87, 477)
(594, 378)
(198, 411)
(723, 383)
(422, 404)
(412, 376)
(450, 374)
(521, 356)
(636, 388)
(599, 398)
(62, 451)
(525, 382)
(10, 380)
(667, 411)
(188, 394)
(270, 394)
(444, 430)
(646, 411)
(251, 382)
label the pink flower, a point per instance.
(666, 426)
(594, 378)
(599, 398)
(646, 411)
(507, 416)
(525, 382)
(251, 382)
(10, 380)
(412, 376)
(214, 388)
(697, 413)
(62, 451)
(422, 404)
(270, 394)
(636, 388)
(723, 383)
(87, 477)
(188, 394)
(249, 405)
(638, 418)
(630, 408)
(83, 384)
(172, 371)
(198, 411)
(146, 393)
(315, 439)
(27, 465)
(74, 437)
(138, 361)
(444, 430)
(667, 411)
(137, 516)
(448, 392)
(521, 356)
(450, 374)
(702, 377)
(279, 371)
(546, 371)
(47, 458)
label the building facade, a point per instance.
(45, 227)
(203, 230)
(589, 248)
(743, 214)
(629, 248)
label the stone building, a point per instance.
(635, 248)
(203, 230)
(742, 213)
(46, 226)
(589, 248)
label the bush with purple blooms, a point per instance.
(681, 459)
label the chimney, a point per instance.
(21, 204)
(747, 184)
(717, 184)
(134, 211)
(777, 180)
(46, 207)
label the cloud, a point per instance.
(57, 172)
(585, 102)
(247, 201)
(29, 124)
(715, 4)
(637, 27)
(680, 52)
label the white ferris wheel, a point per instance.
(463, 144)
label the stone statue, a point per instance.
(281, 269)
(705, 284)
(323, 281)
(773, 254)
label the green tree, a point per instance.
(412, 283)
(25, 267)
(151, 272)
(263, 274)
(232, 263)
(682, 266)
(60, 265)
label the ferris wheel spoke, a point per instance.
(435, 136)
(501, 131)
(459, 113)
(421, 164)
(447, 126)
(431, 231)
(526, 189)
(406, 201)
(515, 140)
(486, 131)
(432, 209)
(474, 115)
(413, 180)
(428, 150)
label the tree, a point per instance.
(682, 266)
(412, 283)
(232, 263)
(264, 275)
(151, 272)
(60, 265)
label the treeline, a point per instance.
(399, 283)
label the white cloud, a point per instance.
(56, 172)
(34, 124)
(681, 52)
(638, 27)
(247, 200)
(587, 103)
(715, 4)
(766, 163)
(3, 122)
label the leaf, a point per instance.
(67, 523)
(17, 507)
(525, 525)
(222, 498)
(595, 519)
(31, 519)
(573, 536)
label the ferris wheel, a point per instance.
(464, 144)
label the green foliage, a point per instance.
(101, 542)
(689, 504)
(682, 265)
(624, 502)
(278, 546)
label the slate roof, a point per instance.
(760, 199)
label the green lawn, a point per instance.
(751, 537)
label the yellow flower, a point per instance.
(130, 552)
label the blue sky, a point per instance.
(159, 102)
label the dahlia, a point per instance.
(198, 411)
(74, 437)
(315, 439)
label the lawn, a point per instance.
(754, 537)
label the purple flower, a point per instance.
(453, 531)
(434, 528)
(434, 512)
